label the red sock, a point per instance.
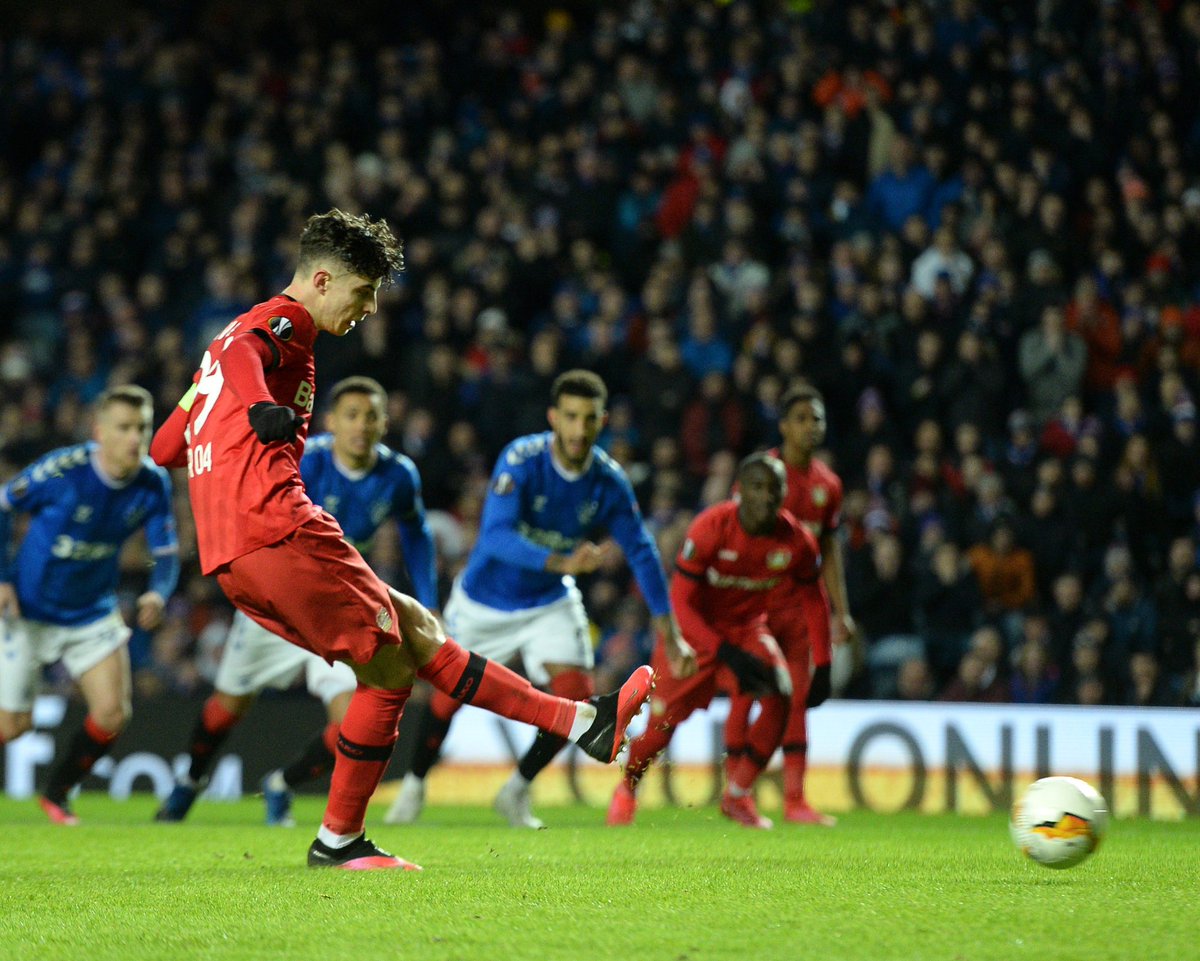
(364, 747)
(443, 706)
(472, 679)
(102, 736)
(736, 726)
(795, 753)
(795, 763)
(330, 736)
(761, 741)
(217, 719)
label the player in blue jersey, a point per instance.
(550, 493)
(362, 483)
(58, 600)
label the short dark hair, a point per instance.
(130, 394)
(357, 385)
(579, 383)
(801, 393)
(765, 460)
(364, 246)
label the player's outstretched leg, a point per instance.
(513, 802)
(213, 726)
(597, 726)
(434, 725)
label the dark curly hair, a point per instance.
(364, 246)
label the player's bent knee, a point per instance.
(391, 669)
(421, 631)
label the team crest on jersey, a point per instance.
(820, 496)
(379, 511)
(588, 511)
(778, 560)
(383, 619)
(83, 514)
(539, 503)
(689, 550)
(282, 328)
(504, 484)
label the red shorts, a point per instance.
(315, 590)
(674, 699)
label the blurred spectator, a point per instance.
(1004, 570)
(1052, 364)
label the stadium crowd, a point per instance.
(974, 226)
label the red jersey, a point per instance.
(814, 496)
(724, 576)
(246, 494)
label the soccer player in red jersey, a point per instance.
(738, 555)
(240, 431)
(814, 497)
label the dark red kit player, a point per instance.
(738, 556)
(240, 432)
(801, 622)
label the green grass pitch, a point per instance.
(681, 885)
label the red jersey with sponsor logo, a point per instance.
(814, 495)
(734, 573)
(246, 494)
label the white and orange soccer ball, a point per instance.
(1058, 821)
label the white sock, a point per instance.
(411, 780)
(585, 714)
(275, 781)
(331, 840)
(518, 782)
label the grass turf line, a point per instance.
(680, 885)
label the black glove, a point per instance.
(819, 687)
(753, 676)
(272, 422)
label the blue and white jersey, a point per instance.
(362, 500)
(535, 508)
(66, 567)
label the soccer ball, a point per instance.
(1058, 821)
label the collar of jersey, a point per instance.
(105, 478)
(567, 474)
(348, 472)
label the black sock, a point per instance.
(430, 736)
(315, 761)
(542, 751)
(205, 744)
(81, 754)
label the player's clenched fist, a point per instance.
(271, 422)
